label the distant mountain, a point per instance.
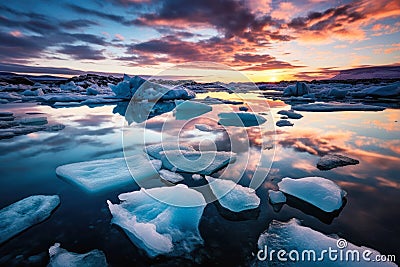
(381, 72)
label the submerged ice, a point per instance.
(161, 220)
(240, 119)
(60, 257)
(25, 213)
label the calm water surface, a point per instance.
(82, 221)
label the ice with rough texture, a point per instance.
(291, 235)
(299, 89)
(33, 120)
(71, 86)
(37, 92)
(155, 150)
(104, 174)
(320, 192)
(190, 109)
(331, 161)
(60, 257)
(197, 177)
(328, 107)
(382, 91)
(208, 128)
(205, 162)
(169, 176)
(161, 220)
(240, 119)
(25, 213)
(290, 114)
(276, 197)
(232, 196)
(282, 123)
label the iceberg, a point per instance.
(331, 161)
(71, 86)
(37, 92)
(25, 213)
(240, 119)
(105, 174)
(290, 114)
(60, 257)
(206, 162)
(232, 196)
(190, 109)
(390, 90)
(171, 176)
(282, 123)
(311, 247)
(319, 192)
(299, 89)
(33, 120)
(276, 197)
(328, 107)
(208, 128)
(161, 220)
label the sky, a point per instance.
(265, 40)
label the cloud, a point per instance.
(82, 52)
(77, 24)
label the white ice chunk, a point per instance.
(161, 220)
(60, 257)
(171, 176)
(25, 213)
(276, 197)
(318, 191)
(205, 162)
(189, 109)
(299, 89)
(232, 196)
(197, 177)
(155, 150)
(37, 92)
(328, 107)
(241, 119)
(71, 86)
(104, 174)
(291, 236)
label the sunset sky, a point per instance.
(266, 40)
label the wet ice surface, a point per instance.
(82, 221)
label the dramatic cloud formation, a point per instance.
(292, 38)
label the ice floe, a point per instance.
(60, 257)
(161, 220)
(190, 109)
(205, 162)
(104, 174)
(276, 197)
(169, 176)
(240, 119)
(25, 213)
(232, 196)
(290, 114)
(328, 107)
(282, 123)
(310, 248)
(33, 120)
(317, 191)
(331, 161)
(156, 149)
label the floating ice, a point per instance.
(331, 161)
(171, 176)
(190, 109)
(158, 227)
(276, 197)
(243, 119)
(205, 162)
(291, 236)
(71, 86)
(25, 213)
(232, 196)
(104, 174)
(197, 177)
(60, 257)
(320, 192)
(33, 120)
(282, 123)
(37, 92)
(327, 107)
(155, 150)
(296, 90)
(290, 114)
(94, 89)
(6, 114)
(208, 128)
(383, 91)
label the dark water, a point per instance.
(82, 221)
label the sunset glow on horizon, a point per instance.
(265, 40)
